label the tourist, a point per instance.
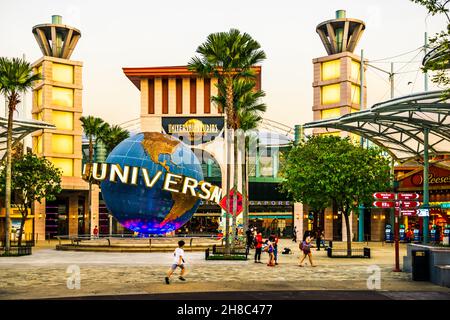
(258, 247)
(270, 250)
(318, 239)
(294, 234)
(95, 232)
(275, 248)
(305, 247)
(178, 261)
(249, 234)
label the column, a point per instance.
(298, 219)
(361, 223)
(39, 221)
(94, 218)
(73, 215)
(275, 162)
(425, 205)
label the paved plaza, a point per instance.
(44, 274)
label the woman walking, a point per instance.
(305, 247)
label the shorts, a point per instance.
(307, 251)
(174, 266)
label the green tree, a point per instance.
(93, 128)
(33, 179)
(16, 77)
(249, 110)
(328, 169)
(112, 136)
(228, 56)
(440, 46)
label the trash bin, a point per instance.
(420, 265)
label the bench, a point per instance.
(343, 253)
(220, 253)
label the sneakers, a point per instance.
(181, 278)
(167, 280)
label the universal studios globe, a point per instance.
(152, 210)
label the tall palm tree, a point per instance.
(16, 77)
(93, 128)
(228, 56)
(249, 111)
(113, 136)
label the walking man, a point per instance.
(178, 261)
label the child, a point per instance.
(270, 250)
(178, 261)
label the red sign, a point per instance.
(383, 204)
(410, 204)
(228, 205)
(384, 196)
(409, 212)
(408, 196)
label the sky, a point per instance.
(132, 33)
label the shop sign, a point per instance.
(445, 205)
(227, 202)
(410, 204)
(409, 212)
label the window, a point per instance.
(62, 143)
(39, 98)
(331, 113)
(331, 94)
(355, 71)
(66, 165)
(62, 97)
(62, 73)
(331, 69)
(355, 94)
(63, 120)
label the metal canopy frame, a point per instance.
(398, 125)
(21, 128)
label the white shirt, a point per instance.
(177, 254)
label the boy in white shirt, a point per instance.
(178, 261)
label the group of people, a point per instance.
(270, 245)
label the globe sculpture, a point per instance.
(152, 210)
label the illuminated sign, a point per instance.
(172, 182)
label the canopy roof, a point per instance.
(21, 128)
(397, 125)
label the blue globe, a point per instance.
(152, 210)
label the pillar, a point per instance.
(94, 218)
(39, 221)
(275, 162)
(73, 215)
(298, 219)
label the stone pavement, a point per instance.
(44, 274)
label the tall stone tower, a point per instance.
(337, 75)
(57, 99)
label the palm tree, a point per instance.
(113, 136)
(228, 56)
(16, 77)
(248, 109)
(93, 128)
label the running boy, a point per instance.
(178, 261)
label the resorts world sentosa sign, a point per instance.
(171, 182)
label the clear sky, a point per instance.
(133, 33)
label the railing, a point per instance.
(344, 253)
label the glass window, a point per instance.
(39, 98)
(66, 165)
(62, 143)
(62, 73)
(355, 94)
(355, 70)
(62, 97)
(63, 120)
(331, 94)
(331, 69)
(331, 113)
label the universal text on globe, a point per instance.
(172, 182)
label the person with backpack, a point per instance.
(305, 247)
(270, 250)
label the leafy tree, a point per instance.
(228, 56)
(112, 136)
(328, 169)
(440, 43)
(16, 77)
(33, 179)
